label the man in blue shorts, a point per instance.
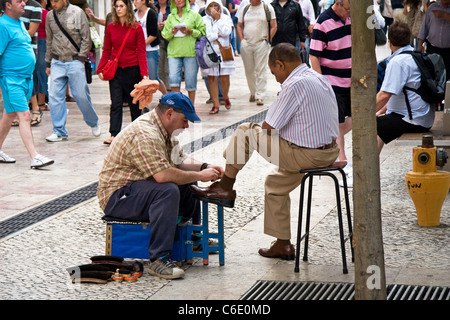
(17, 61)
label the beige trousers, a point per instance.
(255, 59)
(289, 159)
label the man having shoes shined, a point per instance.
(294, 136)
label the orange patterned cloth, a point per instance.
(143, 92)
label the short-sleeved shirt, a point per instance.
(256, 26)
(141, 150)
(402, 71)
(331, 42)
(33, 13)
(305, 112)
(16, 55)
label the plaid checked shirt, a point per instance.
(141, 150)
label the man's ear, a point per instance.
(279, 65)
(169, 113)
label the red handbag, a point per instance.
(110, 68)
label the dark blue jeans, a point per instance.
(160, 204)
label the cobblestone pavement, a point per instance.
(413, 254)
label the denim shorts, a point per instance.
(153, 65)
(190, 65)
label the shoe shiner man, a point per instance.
(299, 132)
(146, 177)
(17, 61)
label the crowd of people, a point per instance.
(305, 44)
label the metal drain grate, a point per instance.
(32, 216)
(221, 133)
(285, 290)
(28, 218)
(407, 292)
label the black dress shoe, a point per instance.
(214, 194)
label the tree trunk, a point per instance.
(370, 282)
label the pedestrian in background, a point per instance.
(218, 29)
(330, 55)
(435, 31)
(66, 65)
(132, 66)
(255, 32)
(182, 29)
(17, 62)
(42, 92)
(147, 17)
(163, 7)
(32, 19)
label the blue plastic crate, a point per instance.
(130, 240)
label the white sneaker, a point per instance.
(348, 169)
(4, 158)
(96, 131)
(56, 138)
(40, 161)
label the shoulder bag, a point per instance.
(87, 63)
(226, 52)
(110, 68)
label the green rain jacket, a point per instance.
(183, 46)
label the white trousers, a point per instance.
(255, 57)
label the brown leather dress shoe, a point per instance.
(214, 194)
(286, 252)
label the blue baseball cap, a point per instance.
(181, 102)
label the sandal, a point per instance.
(214, 110)
(109, 141)
(44, 107)
(227, 104)
(15, 123)
(70, 99)
(36, 121)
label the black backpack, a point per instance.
(432, 78)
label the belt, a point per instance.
(67, 58)
(328, 146)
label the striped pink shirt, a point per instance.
(305, 112)
(331, 42)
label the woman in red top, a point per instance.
(132, 62)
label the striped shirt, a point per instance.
(141, 150)
(305, 112)
(331, 42)
(33, 13)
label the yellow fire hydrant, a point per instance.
(427, 186)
